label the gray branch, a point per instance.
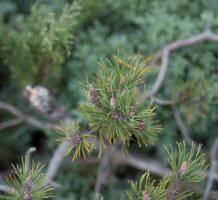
(56, 161)
(163, 55)
(21, 117)
(213, 168)
(182, 126)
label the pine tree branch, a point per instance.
(164, 54)
(56, 161)
(10, 123)
(213, 169)
(136, 162)
(103, 172)
(23, 118)
(163, 102)
(28, 157)
(177, 117)
(182, 126)
(58, 154)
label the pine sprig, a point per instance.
(27, 183)
(189, 165)
(81, 143)
(146, 189)
(114, 111)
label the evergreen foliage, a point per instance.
(80, 142)
(187, 166)
(145, 188)
(26, 183)
(115, 110)
(39, 43)
(139, 26)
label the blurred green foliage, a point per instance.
(135, 27)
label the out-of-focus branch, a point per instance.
(56, 161)
(141, 164)
(182, 126)
(103, 172)
(162, 73)
(163, 102)
(213, 168)
(21, 117)
(10, 123)
(28, 157)
(164, 53)
(58, 154)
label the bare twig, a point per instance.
(163, 102)
(103, 172)
(10, 123)
(141, 164)
(28, 157)
(24, 118)
(56, 161)
(182, 126)
(213, 169)
(163, 54)
(161, 75)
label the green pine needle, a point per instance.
(32, 178)
(81, 144)
(146, 189)
(116, 110)
(188, 164)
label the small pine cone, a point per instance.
(122, 80)
(115, 115)
(93, 94)
(113, 102)
(174, 189)
(183, 168)
(133, 112)
(28, 188)
(141, 126)
(146, 196)
(75, 139)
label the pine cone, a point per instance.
(141, 126)
(75, 139)
(93, 94)
(174, 188)
(133, 112)
(183, 168)
(113, 103)
(146, 196)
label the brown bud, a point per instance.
(183, 168)
(115, 115)
(75, 139)
(93, 94)
(122, 80)
(133, 112)
(141, 126)
(113, 102)
(146, 196)
(174, 189)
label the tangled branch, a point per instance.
(164, 54)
